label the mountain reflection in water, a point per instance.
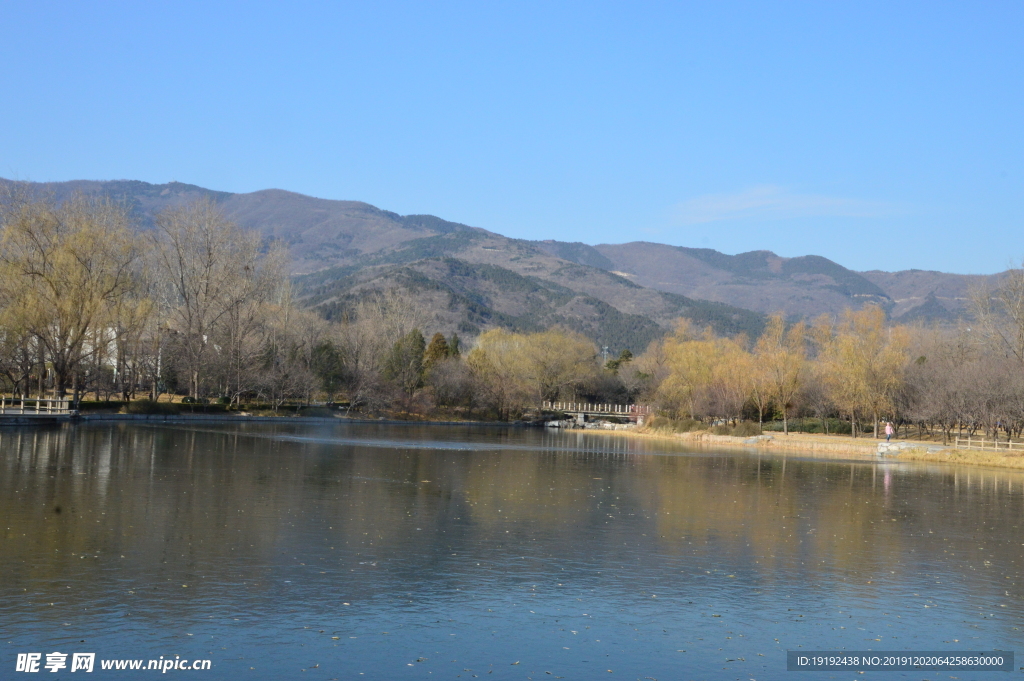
(377, 551)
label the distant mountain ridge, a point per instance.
(318, 232)
(621, 295)
(800, 287)
(804, 286)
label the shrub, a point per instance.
(741, 429)
(746, 429)
(674, 425)
(657, 422)
(687, 425)
(204, 408)
(151, 407)
(840, 427)
(100, 405)
(811, 424)
(316, 411)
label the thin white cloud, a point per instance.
(773, 202)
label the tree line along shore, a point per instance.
(198, 312)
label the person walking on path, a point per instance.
(888, 430)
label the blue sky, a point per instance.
(882, 135)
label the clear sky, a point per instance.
(882, 135)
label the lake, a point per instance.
(362, 551)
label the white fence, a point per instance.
(26, 406)
(988, 445)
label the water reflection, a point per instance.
(363, 549)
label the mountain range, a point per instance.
(469, 279)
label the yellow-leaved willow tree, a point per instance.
(780, 357)
(861, 361)
(706, 374)
(67, 273)
(520, 370)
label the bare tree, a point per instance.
(364, 339)
(1000, 314)
(453, 383)
(211, 276)
(644, 375)
(18, 352)
(286, 368)
(939, 380)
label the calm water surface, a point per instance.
(282, 551)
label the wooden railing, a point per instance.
(989, 445)
(590, 408)
(28, 406)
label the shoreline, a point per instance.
(841, 446)
(60, 419)
(238, 418)
(13, 421)
(826, 446)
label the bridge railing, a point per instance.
(29, 406)
(592, 408)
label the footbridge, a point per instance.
(582, 410)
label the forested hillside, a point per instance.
(470, 279)
(466, 279)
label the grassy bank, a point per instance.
(840, 446)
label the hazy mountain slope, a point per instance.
(465, 279)
(319, 232)
(801, 287)
(144, 199)
(576, 252)
(333, 241)
(929, 311)
(763, 281)
(526, 259)
(468, 297)
(911, 289)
